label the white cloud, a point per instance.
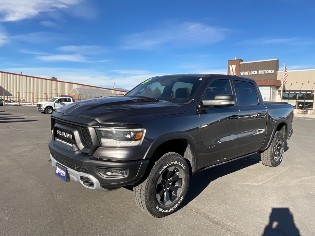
(62, 57)
(84, 49)
(15, 10)
(86, 54)
(3, 38)
(277, 40)
(31, 52)
(48, 24)
(83, 10)
(38, 37)
(184, 34)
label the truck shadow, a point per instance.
(281, 222)
(201, 180)
(10, 118)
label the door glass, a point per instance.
(245, 93)
(218, 87)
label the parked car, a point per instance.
(163, 131)
(51, 105)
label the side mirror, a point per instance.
(220, 100)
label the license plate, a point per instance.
(62, 172)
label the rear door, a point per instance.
(252, 117)
(67, 101)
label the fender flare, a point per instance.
(189, 153)
(284, 121)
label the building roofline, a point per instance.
(36, 77)
(244, 62)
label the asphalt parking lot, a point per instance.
(240, 198)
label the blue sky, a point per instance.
(122, 42)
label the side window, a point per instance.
(67, 100)
(245, 93)
(217, 87)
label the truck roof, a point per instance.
(205, 76)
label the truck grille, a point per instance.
(85, 136)
(83, 132)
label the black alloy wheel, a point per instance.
(273, 155)
(165, 188)
(278, 150)
(169, 185)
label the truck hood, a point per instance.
(121, 109)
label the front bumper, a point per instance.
(79, 176)
(81, 167)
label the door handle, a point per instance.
(260, 131)
(261, 115)
(234, 117)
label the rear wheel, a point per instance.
(274, 154)
(166, 186)
(48, 110)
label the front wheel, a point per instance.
(48, 110)
(274, 154)
(166, 186)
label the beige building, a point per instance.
(31, 89)
(298, 90)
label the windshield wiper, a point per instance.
(145, 98)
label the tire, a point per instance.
(162, 192)
(274, 154)
(48, 110)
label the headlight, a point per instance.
(114, 137)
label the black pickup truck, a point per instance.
(163, 131)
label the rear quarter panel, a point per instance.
(278, 114)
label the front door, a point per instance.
(58, 103)
(219, 127)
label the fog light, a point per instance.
(113, 173)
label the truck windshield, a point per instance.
(52, 99)
(178, 89)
